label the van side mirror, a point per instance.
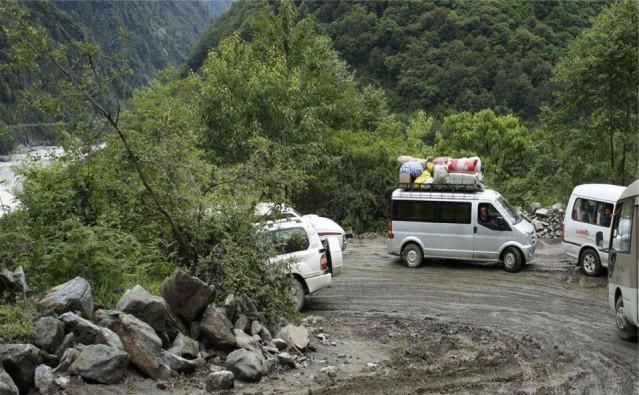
(599, 239)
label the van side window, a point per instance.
(431, 211)
(290, 240)
(489, 217)
(592, 212)
(622, 227)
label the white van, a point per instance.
(623, 269)
(297, 243)
(589, 211)
(476, 225)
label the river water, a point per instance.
(9, 182)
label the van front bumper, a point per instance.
(529, 252)
(318, 282)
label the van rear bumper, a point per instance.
(318, 282)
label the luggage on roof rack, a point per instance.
(430, 187)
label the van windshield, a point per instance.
(509, 210)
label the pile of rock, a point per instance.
(180, 331)
(547, 221)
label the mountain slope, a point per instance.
(441, 56)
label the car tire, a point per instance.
(511, 260)
(412, 255)
(589, 262)
(299, 293)
(625, 329)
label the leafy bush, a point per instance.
(7, 141)
(16, 325)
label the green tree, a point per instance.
(595, 111)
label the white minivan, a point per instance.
(476, 226)
(589, 211)
(297, 243)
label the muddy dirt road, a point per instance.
(547, 329)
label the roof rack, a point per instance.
(430, 187)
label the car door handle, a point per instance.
(474, 229)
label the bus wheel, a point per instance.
(412, 255)
(511, 258)
(589, 261)
(626, 330)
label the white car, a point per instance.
(328, 230)
(298, 244)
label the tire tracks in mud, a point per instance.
(566, 318)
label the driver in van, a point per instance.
(607, 216)
(484, 217)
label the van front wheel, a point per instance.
(589, 261)
(298, 292)
(512, 260)
(412, 255)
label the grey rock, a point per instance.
(150, 309)
(243, 323)
(185, 347)
(221, 380)
(216, 329)
(13, 281)
(67, 342)
(230, 307)
(49, 333)
(86, 332)
(265, 334)
(330, 371)
(7, 386)
(179, 364)
(195, 329)
(20, 362)
(74, 295)
(286, 359)
(246, 307)
(187, 296)
(43, 378)
(245, 365)
(245, 341)
(296, 336)
(537, 224)
(542, 212)
(49, 359)
(101, 364)
(535, 206)
(256, 328)
(281, 344)
(67, 358)
(140, 341)
(62, 381)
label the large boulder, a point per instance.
(74, 295)
(185, 347)
(181, 365)
(86, 332)
(150, 309)
(7, 386)
(245, 365)
(67, 342)
(295, 336)
(140, 341)
(43, 378)
(100, 364)
(13, 281)
(246, 307)
(20, 362)
(230, 307)
(216, 330)
(187, 296)
(49, 333)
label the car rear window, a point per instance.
(431, 211)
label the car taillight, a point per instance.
(563, 232)
(390, 229)
(323, 263)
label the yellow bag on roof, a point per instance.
(425, 176)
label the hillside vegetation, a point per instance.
(441, 56)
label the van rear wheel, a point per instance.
(412, 255)
(589, 261)
(625, 329)
(512, 260)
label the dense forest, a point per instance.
(309, 104)
(151, 35)
(441, 56)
